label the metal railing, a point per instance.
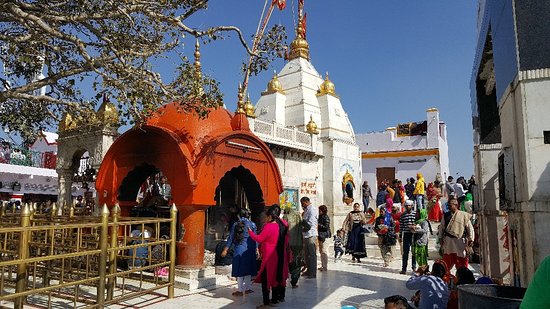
(83, 261)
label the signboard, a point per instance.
(308, 188)
(412, 128)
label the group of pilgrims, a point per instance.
(287, 243)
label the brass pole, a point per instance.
(103, 242)
(71, 211)
(3, 210)
(21, 280)
(112, 255)
(173, 236)
(53, 213)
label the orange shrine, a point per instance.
(194, 154)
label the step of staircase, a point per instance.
(198, 278)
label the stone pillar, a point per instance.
(64, 178)
(191, 247)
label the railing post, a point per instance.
(103, 242)
(3, 210)
(112, 255)
(53, 211)
(21, 280)
(173, 236)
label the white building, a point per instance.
(400, 152)
(301, 118)
(510, 90)
(28, 174)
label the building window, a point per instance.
(546, 135)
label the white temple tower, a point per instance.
(300, 100)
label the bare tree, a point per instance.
(52, 49)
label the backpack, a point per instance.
(220, 260)
(238, 232)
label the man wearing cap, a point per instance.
(406, 225)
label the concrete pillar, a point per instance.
(432, 136)
(64, 179)
(191, 247)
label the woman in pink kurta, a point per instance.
(283, 256)
(268, 250)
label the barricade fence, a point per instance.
(83, 261)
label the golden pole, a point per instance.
(103, 242)
(173, 236)
(21, 280)
(53, 213)
(112, 255)
(3, 210)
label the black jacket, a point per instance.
(323, 227)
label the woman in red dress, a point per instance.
(267, 240)
(434, 206)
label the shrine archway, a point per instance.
(195, 154)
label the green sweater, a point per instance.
(537, 295)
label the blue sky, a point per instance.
(390, 60)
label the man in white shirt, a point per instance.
(460, 189)
(310, 217)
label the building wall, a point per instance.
(388, 141)
(494, 262)
(523, 112)
(391, 150)
(41, 145)
(405, 167)
(340, 157)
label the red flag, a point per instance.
(304, 25)
(281, 4)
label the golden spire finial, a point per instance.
(299, 47)
(107, 113)
(67, 122)
(327, 87)
(240, 103)
(311, 126)
(274, 85)
(197, 64)
(197, 55)
(249, 108)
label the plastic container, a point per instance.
(489, 296)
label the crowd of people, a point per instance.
(286, 244)
(286, 247)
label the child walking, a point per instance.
(338, 245)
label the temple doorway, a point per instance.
(238, 189)
(150, 193)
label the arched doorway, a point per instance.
(236, 190)
(195, 154)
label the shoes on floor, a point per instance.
(322, 268)
(294, 286)
(403, 272)
(237, 293)
(263, 307)
(248, 291)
